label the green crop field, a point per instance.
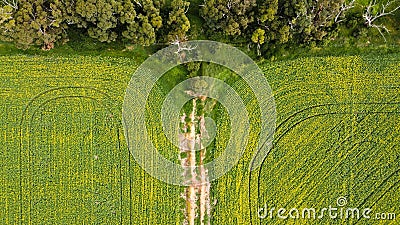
(64, 159)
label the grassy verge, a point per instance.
(82, 45)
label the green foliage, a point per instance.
(231, 17)
(266, 24)
(99, 18)
(45, 22)
(7, 23)
(33, 23)
(70, 158)
(104, 20)
(273, 22)
(258, 36)
(142, 28)
(193, 68)
(178, 23)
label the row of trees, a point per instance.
(298, 21)
(44, 22)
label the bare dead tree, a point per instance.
(345, 7)
(370, 17)
(187, 8)
(229, 4)
(138, 3)
(182, 47)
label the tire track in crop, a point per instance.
(289, 93)
(333, 168)
(317, 115)
(320, 162)
(380, 186)
(353, 146)
(299, 112)
(384, 181)
(39, 108)
(368, 62)
(28, 123)
(311, 117)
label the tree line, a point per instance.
(257, 22)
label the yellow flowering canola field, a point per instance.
(64, 159)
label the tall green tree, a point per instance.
(33, 22)
(297, 21)
(268, 26)
(99, 17)
(231, 17)
(177, 23)
(142, 28)
(7, 23)
(311, 20)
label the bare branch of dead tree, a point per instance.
(370, 17)
(182, 47)
(345, 7)
(12, 3)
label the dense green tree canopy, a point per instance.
(145, 22)
(177, 24)
(142, 28)
(231, 17)
(33, 22)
